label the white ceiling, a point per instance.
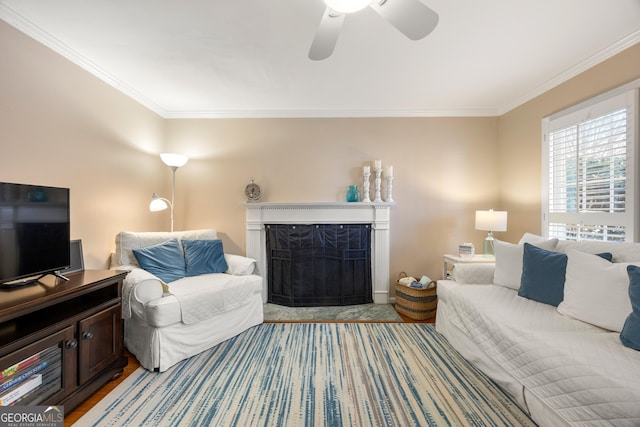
(248, 58)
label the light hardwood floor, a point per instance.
(75, 415)
(84, 407)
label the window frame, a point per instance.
(629, 96)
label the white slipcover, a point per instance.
(166, 323)
(564, 371)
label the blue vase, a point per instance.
(353, 195)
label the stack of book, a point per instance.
(32, 380)
(466, 250)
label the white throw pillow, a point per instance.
(509, 259)
(596, 291)
(531, 239)
(239, 265)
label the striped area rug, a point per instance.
(315, 374)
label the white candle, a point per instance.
(367, 170)
(377, 164)
(389, 171)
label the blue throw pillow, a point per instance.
(204, 256)
(630, 334)
(165, 260)
(606, 255)
(543, 274)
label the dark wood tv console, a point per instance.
(61, 341)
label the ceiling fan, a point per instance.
(410, 17)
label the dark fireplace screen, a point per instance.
(319, 264)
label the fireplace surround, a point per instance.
(258, 215)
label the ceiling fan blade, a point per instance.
(410, 17)
(326, 35)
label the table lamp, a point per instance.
(490, 221)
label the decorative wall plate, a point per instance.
(252, 191)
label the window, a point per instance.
(590, 170)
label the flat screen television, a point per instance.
(34, 232)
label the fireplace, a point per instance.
(374, 215)
(315, 265)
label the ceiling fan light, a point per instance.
(347, 6)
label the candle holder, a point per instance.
(365, 187)
(389, 180)
(378, 182)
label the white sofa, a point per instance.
(166, 323)
(563, 370)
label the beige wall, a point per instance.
(520, 136)
(444, 168)
(59, 125)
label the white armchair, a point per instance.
(169, 322)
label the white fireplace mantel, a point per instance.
(376, 214)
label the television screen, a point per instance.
(34, 231)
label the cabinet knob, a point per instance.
(72, 344)
(87, 335)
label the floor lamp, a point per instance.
(174, 161)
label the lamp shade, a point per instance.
(174, 160)
(491, 220)
(158, 203)
(347, 6)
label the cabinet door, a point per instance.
(40, 373)
(100, 342)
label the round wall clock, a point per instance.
(252, 191)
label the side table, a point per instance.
(456, 259)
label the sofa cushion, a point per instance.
(508, 271)
(596, 291)
(208, 295)
(622, 251)
(203, 257)
(630, 334)
(165, 260)
(127, 241)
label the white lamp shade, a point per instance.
(491, 220)
(158, 203)
(174, 160)
(347, 6)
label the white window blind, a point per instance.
(589, 171)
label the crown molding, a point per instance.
(27, 27)
(583, 66)
(282, 114)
